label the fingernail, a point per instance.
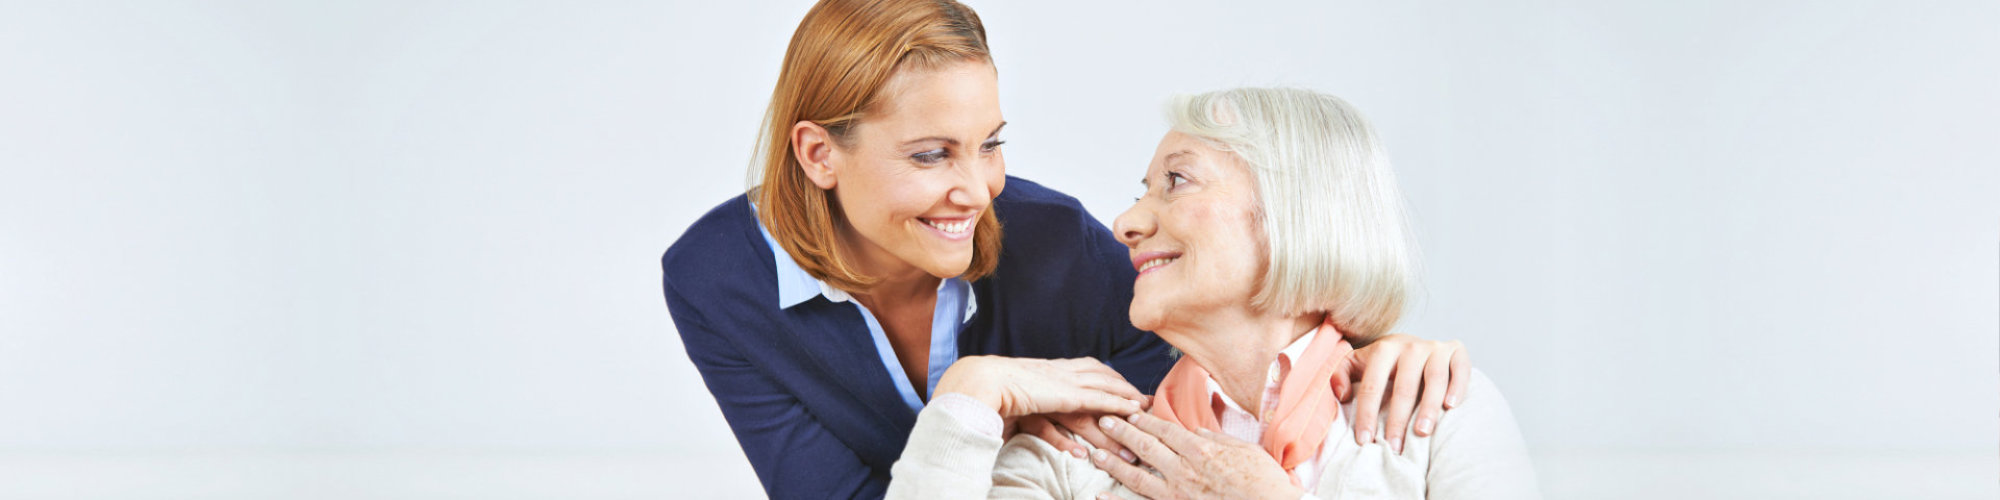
(1098, 455)
(1076, 452)
(1107, 422)
(1134, 417)
(1424, 424)
(1396, 444)
(1453, 400)
(1128, 456)
(1366, 436)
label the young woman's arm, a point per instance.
(794, 455)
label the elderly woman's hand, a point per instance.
(1191, 464)
(1429, 376)
(1018, 387)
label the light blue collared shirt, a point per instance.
(955, 305)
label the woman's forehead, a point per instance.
(956, 97)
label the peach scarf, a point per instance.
(1306, 403)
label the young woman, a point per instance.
(822, 306)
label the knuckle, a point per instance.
(1370, 387)
(1201, 449)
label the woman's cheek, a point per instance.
(1222, 237)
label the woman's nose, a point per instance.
(1133, 226)
(969, 189)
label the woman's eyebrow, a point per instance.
(947, 140)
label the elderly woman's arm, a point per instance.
(951, 450)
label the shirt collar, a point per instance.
(796, 286)
(1290, 355)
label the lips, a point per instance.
(1148, 261)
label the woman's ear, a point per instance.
(813, 146)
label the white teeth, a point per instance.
(951, 227)
(1157, 263)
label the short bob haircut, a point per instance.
(841, 56)
(1332, 217)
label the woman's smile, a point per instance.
(1148, 261)
(954, 229)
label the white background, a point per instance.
(410, 249)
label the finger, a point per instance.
(1090, 365)
(1343, 371)
(1051, 432)
(1148, 447)
(1111, 383)
(1461, 375)
(1368, 395)
(1437, 375)
(1223, 439)
(1091, 373)
(1176, 438)
(1094, 401)
(1086, 427)
(1408, 379)
(1132, 476)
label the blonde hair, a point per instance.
(841, 56)
(1332, 216)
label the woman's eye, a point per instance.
(932, 156)
(1174, 180)
(991, 146)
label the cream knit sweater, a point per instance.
(1476, 453)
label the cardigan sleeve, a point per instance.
(949, 458)
(794, 455)
(945, 458)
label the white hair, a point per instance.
(1332, 216)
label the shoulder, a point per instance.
(721, 248)
(1482, 420)
(1482, 393)
(1039, 224)
(1478, 450)
(1026, 201)
(1050, 244)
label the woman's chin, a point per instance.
(1146, 319)
(948, 270)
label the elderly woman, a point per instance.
(1238, 271)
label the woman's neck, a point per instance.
(1237, 348)
(899, 282)
(886, 293)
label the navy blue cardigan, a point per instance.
(805, 391)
